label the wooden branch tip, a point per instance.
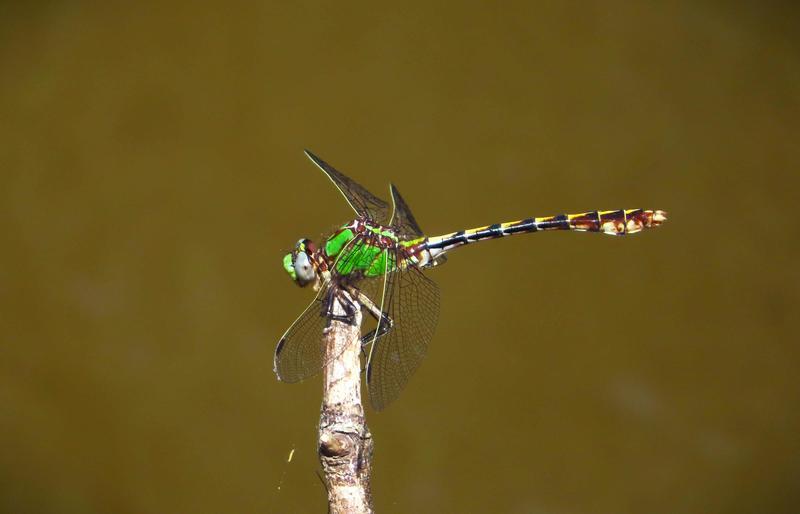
(345, 443)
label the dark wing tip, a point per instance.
(311, 156)
(395, 192)
(276, 357)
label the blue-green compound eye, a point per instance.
(288, 265)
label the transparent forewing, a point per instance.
(412, 302)
(362, 201)
(372, 288)
(300, 352)
(402, 219)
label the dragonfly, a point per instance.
(377, 262)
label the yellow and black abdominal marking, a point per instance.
(617, 223)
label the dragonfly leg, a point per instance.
(347, 304)
(385, 323)
(384, 326)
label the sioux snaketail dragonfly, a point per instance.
(376, 261)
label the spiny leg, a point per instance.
(384, 326)
(345, 301)
(385, 323)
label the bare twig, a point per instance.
(345, 444)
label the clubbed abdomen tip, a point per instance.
(631, 221)
(658, 217)
(646, 219)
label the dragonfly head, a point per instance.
(300, 265)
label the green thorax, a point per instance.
(372, 253)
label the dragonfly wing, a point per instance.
(411, 301)
(300, 352)
(402, 219)
(362, 201)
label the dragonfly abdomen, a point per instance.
(618, 223)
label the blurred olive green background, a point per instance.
(152, 177)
